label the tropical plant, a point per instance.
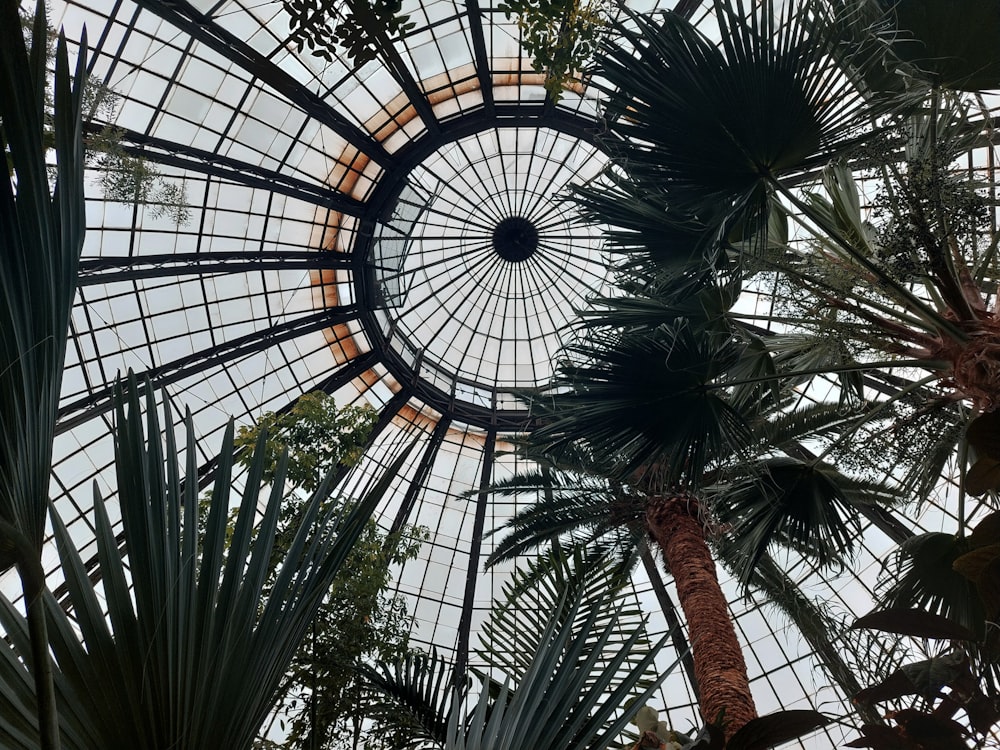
(322, 699)
(560, 36)
(681, 412)
(775, 201)
(562, 656)
(960, 676)
(735, 160)
(41, 229)
(608, 520)
(360, 27)
(123, 175)
(178, 646)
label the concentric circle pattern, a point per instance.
(482, 265)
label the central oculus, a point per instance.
(515, 239)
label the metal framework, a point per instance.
(391, 234)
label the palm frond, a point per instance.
(806, 506)
(715, 123)
(572, 671)
(813, 620)
(572, 509)
(42, 234)
(921, 576)
(509, 637)
(651, 399)
(184, 651)
(417, 695)
(571, 694)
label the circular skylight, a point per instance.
(480, 265)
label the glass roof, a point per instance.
(391, 233)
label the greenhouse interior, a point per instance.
(500, 374)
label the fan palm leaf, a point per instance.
(185, 651)
(711, 124)
(921, 576)
(807, 506)
(576, 662)
(951, 45)
(415, 695)
(648, 400)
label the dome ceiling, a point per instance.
(391, 233)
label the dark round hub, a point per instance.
(515, 239)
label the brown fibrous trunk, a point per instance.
(975, 370)
(718, 658)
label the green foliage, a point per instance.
(42, 225)
(42, 230)
(323, 701)
(318, 436)
(123, 177)
(560, 36)
(130, 179)
(180, 645)
(360, 27)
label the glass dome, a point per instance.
(391, 233)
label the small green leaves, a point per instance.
(357, 27)
(560, 36)
(318, 435)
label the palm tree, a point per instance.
(753, 511)
(710, 142)
(713, 143)
(671, 410)
(41, 232)
(190, 642)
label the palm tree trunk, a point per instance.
(718, 658)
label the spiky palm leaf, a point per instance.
(42, 235)
(415, 696)
(578, 658)
(569, 695)
(41, 232)
(181, 651)
(509, 637)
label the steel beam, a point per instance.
(206, 30)
(112, 269)
(472, 572)
(200, 161)
(100, 401)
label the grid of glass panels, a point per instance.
(251, 299)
